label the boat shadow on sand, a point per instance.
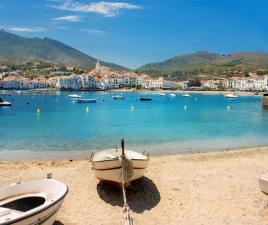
(57, 222)
(141, 195)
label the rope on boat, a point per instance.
(126, 174)
(127, 169)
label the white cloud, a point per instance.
(26, 29)
(71, 18)
(108, 9)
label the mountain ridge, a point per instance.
(18, 49)
(207, 62)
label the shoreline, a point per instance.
(241, 93)
(147, 91)
(39, 156)
(176, 189)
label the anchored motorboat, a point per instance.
(145, 99)
(230, 96)
(118, 97)
(86, 100)
(186, 95)
(108, 165)
(74, 96)
(172, 95)
(162, 94)
(32, 202)
(4, 103)
(263, 181)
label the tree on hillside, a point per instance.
(195, 83)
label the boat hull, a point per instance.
(111, 170)
(32, 202)
(263, 182)
(145, 99)
(86, 101)
(5, 104)
(74, 96)
(118, 97)
(107, 166)
(230, 96)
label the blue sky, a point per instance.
(132, 33)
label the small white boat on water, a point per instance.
(86, 100)
(263, 181)
(118, 97)
(162, 94)
(107, 165)
(4, 103)
(230, 96)
(74, 96)
(31, 203)
(186, 95)
(172, 95)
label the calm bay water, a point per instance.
(164, 125)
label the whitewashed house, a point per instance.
(166, 84)
(70, 83)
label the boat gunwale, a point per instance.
(119, 167)
(39, 210)
(116, 159)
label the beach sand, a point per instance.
(207, 188)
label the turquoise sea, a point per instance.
(163, 126)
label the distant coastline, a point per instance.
(142, 91)
(242, 93)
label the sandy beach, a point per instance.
(204, 188)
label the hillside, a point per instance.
(17, 49)
(188, 66)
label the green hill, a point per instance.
(210, 64)
(17, 49)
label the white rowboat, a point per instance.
(263, 181)
(107, 165)
(31, 203)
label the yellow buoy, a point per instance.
(87, 109)
(38, 110)
(132, 108)
(185, 107)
